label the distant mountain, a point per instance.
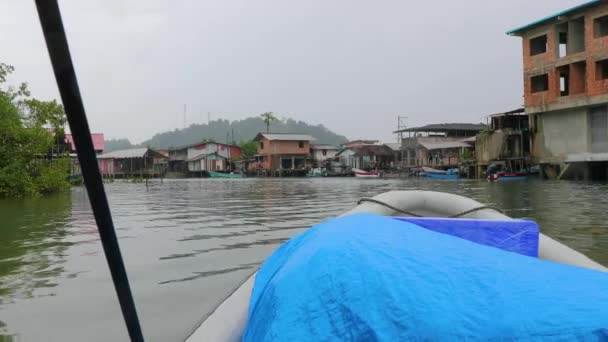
(117, 144)
(224, 131)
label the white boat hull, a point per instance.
(364, 174)
(228, 321)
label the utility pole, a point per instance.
(185, 116)
(401, 124)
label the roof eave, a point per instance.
(520, 30)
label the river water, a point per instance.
(189, 243)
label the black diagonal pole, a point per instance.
(57, 44)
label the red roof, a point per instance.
(98, 141)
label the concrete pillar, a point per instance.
(293, 163)
(576, 36)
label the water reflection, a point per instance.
(33, 246)
(32, 253)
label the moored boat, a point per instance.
(365, 174)
(213, 174)
(317, 172)
(430, 172)
(512, 169)
(507, 176)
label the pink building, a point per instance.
(132, 162)
(98, 142)
(98, 145)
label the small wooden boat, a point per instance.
(318, 172)
(502, 170)
(439, 174)
(213, 174)
(364, 174)
(507, 176)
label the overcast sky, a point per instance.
(352, 65)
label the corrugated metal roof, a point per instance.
(323, 147)
(469, 139)
(518, 111)
(370, 150)
(98, 141)
(441, 145)
(197, 144)
(130, 153)
(285, 136)
(360, 142)
(446, 127)
(203, 156)
(394, 146)
(554, 16)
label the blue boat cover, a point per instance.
(365, 277)
(519, 236)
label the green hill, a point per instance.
(225, 131)
(117, 144)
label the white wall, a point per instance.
(209, 148)
(318, 154)
(347, 158)
(206, 164)
(194, 165)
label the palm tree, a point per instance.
(268, 118)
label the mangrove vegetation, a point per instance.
(34, 157)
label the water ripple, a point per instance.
(188, 243)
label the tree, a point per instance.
(248, 149)
(48, 114)
(268, 119)
(29, 129)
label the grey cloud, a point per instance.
(351, 65)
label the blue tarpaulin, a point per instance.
(519, 236)
(371, 278)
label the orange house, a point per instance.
(283, 151)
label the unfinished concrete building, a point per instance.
(506, 141)
(565, 59)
